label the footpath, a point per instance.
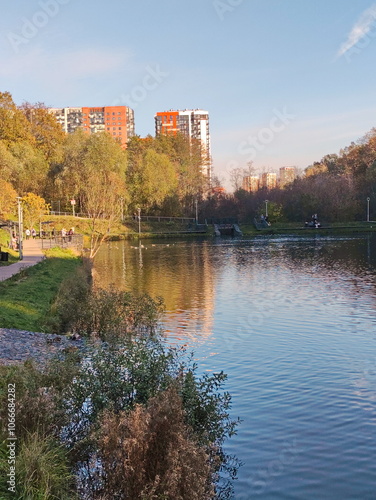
(32, 254)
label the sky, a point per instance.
(285, 82)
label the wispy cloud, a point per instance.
(360, 30)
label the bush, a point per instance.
(151, 453)
(70, 305)
(102, 313)
(117, 378)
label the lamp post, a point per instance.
(122, 209)
(368, 200)
(266, 208)
(73, 202)
(20, 226)
(196, 204)
(139, 220)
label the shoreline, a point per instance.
(18, 346)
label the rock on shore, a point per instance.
(16, 346)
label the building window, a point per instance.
(119, 128)
(114, 128)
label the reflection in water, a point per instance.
(293, 323)
(181, 274)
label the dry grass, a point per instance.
(149, 453)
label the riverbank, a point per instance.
(177, 229)
(18, 346)
(26, 297)
(296, 228)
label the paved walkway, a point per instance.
(32, 254)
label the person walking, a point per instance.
(27, 233)
(33, 233)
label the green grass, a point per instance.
(248, 229)
(13, 255)
(26, 298)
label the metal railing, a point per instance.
(68, 241)
(157, 218)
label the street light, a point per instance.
(20, 226)
(196, 203)
(368, 200)
(266, 208)
(122, 208)
(139, 220)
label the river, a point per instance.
(292, 321)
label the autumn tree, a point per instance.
(14, 126)
(34, 208)
(93, 172)
(7, 199)
(47, 132)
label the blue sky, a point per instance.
(285, 81)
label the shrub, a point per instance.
(117, 378)
(150, 453)
(70, 305)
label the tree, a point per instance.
(152, 178)
(34, 208)
(14, 126)
(93, 172)
(236, 178)
(48, 133)
(31, 168)
(7, 199)
(8, 163)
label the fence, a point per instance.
(68, 241)
(157, 218)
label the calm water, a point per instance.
(293, 323)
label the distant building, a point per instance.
(193, 124)
(286, 176)
(269, 180)
(251, 183)
(115, 120)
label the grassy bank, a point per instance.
(13, 255)
(26, 298)
(248, 229)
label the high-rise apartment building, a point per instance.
(251, 183)
(115, 120)
(269, 180)
(286, 176)
(193, 124)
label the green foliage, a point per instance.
(42, 471)
(105, 314)
(184, 418)
(70, 305)
(25, 299)
(118, 377)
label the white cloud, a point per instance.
(361, 29)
